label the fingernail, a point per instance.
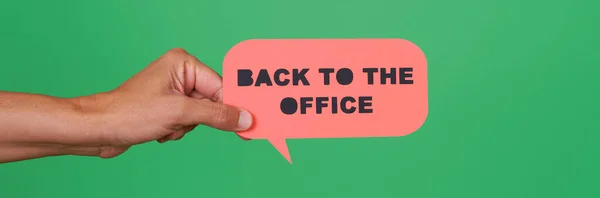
(245, 120)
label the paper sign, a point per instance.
(327, 88)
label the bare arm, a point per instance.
(163, 102)
(33, 126)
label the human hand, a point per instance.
(163, 102)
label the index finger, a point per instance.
(207, 81)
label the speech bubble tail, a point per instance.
(281, 146)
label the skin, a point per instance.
(164, 101)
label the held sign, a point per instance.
(327, 88)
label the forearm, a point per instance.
(33, 126)
(10, 152)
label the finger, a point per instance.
(179, 134)
(166, 138)
(208, 82)
(196, 94)
(179, 138)
(163, 139)
(216, 115)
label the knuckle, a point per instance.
(176, 52)
(220, 115)
(186, 62)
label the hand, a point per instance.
(163, 102)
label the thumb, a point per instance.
(217, 115)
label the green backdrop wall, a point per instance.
(512, 84)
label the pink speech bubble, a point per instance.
(327, 88)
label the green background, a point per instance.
(512, 86)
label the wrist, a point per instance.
(92, 124)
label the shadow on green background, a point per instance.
(512, 87)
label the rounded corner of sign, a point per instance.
(422, 121)
(408, 42)
(397, 40)
(244, 42)
(237, 46)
